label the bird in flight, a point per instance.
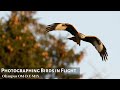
(77, 37)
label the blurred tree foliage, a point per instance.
(20, 47)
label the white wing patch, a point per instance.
(60, 27)
(99, 47)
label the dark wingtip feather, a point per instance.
(48, 29)
(104, 54)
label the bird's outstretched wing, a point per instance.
(98, 45)
(51, 27)
(71, 29)
(62, 26)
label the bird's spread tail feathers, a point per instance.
(75, 39)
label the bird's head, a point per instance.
(57, 26)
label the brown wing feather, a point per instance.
(71, 30)
(104, 53)
(51, 27)
(98, 45)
